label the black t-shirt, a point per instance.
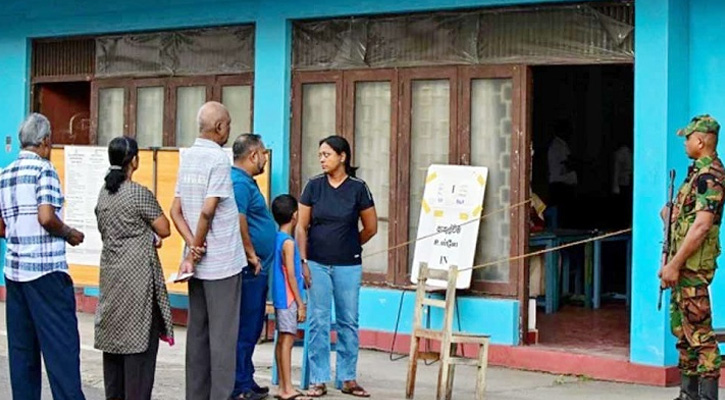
(334, 236)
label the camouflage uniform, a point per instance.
(690, 311)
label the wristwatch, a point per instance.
(303, 261)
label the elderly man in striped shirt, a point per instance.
(40, 297)
(205, 214)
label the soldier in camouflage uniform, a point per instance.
(695, 245)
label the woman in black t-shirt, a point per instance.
(331, 208)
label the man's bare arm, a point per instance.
(55, 226)
(177, 217)
(208, 210)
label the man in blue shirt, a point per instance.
(258, 235)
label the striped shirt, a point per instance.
(32, 252)
(204, 172)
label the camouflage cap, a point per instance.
(701, 123)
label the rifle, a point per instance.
(668, 228)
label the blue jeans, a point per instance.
(41, 318)
(251, 322)
(343, 284)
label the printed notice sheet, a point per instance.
(85, 170)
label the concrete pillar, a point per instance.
(13, 102)
(14, 76)
(661, 107)
(272, 87)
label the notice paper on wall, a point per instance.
(449, 219)
(85, 170)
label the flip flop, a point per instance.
(296, 396)
(356, 391)
(318, 390)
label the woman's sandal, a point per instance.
(317, 391)
(355, 390)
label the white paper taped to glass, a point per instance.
(453, 195)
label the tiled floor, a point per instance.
(577, 329)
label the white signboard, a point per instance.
(453, 195)
(85, 170)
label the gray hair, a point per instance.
(33, 130)
(245, 143)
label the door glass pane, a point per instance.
(430, 122)
(372, 155)
(318, 122)
(150, 117)
(111, 105)
(238, 100)
(491, 148)
(188, 102)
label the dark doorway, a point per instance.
(67, 105)
(582, 139)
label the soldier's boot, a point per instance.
(708, 388)
(689, 388)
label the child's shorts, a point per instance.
(287, 319)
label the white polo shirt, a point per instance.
(204, 172)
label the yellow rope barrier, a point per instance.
(507, 259)
(404, 244)
(557, 248)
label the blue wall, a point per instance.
(678, 67)
(661, 99)
(707, 85)
(498, 318)
(14, 59)
(20, 22)
(678, 74)
(273, 38)
(379, 312)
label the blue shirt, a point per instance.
(334, 236)
(251, 203)
(281, 292)
(30, 181)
